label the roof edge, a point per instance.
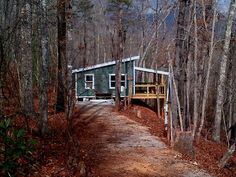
(151, 70)
(104, 64)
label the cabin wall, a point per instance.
(101, 80)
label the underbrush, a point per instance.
(15, 149)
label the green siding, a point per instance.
(101, 80)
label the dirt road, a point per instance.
(115, 146)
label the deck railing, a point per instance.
(149, 91)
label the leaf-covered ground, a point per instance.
(101, 146)
(208, 153)
(112, 144)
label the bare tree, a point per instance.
(61, 22)
(223, 70)
(69, 89)
(118, 10)
(181, 51)
(209, 66)
(10, 40)
(119, 56)
(43, 82)
(26, 64)
(85, 8)
(196, 81)
(232, 86)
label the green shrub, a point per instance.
(15, 148)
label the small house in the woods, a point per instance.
(99, 81)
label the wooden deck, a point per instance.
(149, 91)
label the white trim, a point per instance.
(85, 81)
(166, 104)
(151, 70)
(86, 96)
(134, 78)
(76, 84)
(95, 96)
(104, 64)
(110, 87)
(109, 81)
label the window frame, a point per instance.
(110, 87)
(85, 81)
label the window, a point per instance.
(112, 81)
(89, 81)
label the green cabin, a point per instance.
(100, 79)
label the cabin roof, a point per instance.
(104, 64)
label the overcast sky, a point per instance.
(223, 5)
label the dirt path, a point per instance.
(116, 146)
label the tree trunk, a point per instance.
(188, 91)
(1, 80)
(227, 156)
(177, 99)
(209, 66)
(60, 105)
(171, 103)
(85, 44)
(196, 77)
(26, 64)
(43, 82)
(1, 97)
(70, 100)
(119, 54)
(230, 109)
(223, 68)
(181, 58)
(232, 85)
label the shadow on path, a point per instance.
(115, 146)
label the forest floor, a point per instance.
(114, 145)
(106, 143)
(207, 152)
